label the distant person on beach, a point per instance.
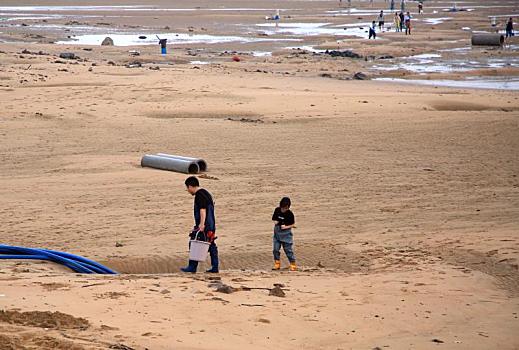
(163, 43)
(420, 7)
(510, 28)
(205, 223)
(381, 21)
(284, 221)
(372, 30)
(407, 20)
(402, 5)
(401, 15)
(397, 22)
(392, 5)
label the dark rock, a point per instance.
(223, 288)
(134, 64)
(437, 341)
(360, 76)
(68, 56)
(108, 41)
(277, 292)
(345, 53)
(120, 347)
(386, 57)
(325, 75)
(142, 37)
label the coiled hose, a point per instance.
(74, 262)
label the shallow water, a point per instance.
(151, 39)
(499, 83)
(261, 53)
(435, 63)
(311, 29)
(14, 9)
(435, 21)
(305, 48)
(66, 8)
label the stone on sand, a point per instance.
(108, 41)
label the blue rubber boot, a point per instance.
(213, 252)
(191, 267)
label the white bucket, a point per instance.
(198, 250)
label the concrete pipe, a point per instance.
(171, 164)
(488, 39)
(201, 163)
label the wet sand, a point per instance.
(406, 197)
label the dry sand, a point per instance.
(406, 197)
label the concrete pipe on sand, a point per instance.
(202, 165)
(488, 39)
(169, 163)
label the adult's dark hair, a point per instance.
(285, 202)
(192, 181)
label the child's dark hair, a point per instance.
(285, 202)
(192, 181)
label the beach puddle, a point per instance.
(354, 12)
(152, 39)
(494, 83)
(435, 63)
(66, 8)
(313, 29)
(305, 48)
(436, 21)
(199, 62)
(261, 53)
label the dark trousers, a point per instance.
(213, 253)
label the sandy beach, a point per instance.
(406, 195)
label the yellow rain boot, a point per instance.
(293, 266)
(277, 265)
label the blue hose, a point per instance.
(74, 262)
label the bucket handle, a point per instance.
(196, 235)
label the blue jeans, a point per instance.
(283, 238)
